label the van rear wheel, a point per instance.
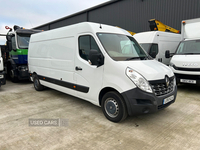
(37, 85)
(113, 107)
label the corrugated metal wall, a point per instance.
(133, 15)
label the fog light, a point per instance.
(145, 110)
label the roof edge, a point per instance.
(81, 12)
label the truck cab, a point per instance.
(16, 63)
(186, 62)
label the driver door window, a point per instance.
(153, 50)
(86, 43)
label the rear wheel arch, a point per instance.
(36, 82)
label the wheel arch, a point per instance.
(108, 89)
(104, 91)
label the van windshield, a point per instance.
(122, 47)
(146, 46)
(189, 47)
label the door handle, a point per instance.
(78, 68)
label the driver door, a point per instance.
(88, 77)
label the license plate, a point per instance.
(188, 81)
(169, 99)
(1, 76)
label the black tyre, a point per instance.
(37, 85)
(13, 77)
(113, 107)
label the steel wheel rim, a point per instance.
(111, 107)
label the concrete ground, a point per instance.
(176, 127)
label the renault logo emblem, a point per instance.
(166, 81)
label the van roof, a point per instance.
(149, 36)
(76, 29)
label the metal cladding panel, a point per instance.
(69, 21)
(43, 27)
(133, 15)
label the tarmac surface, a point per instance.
(82, 125)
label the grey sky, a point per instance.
(32, 13)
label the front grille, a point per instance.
(186, 69)
(160, 88)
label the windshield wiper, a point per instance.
(131, 58)
(141, 58)
(189, 53)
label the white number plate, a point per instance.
(1, 76)
(169, 99)
(188, 81)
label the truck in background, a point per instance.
(185, 63)
(16, 50)
(157, 42)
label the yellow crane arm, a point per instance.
(132, 33)
(157, 25)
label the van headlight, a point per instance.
(174, 83)
(138, 80)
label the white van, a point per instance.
(2, 74)
(157, 42)
(186, 61)
(103, 65)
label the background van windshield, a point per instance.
(189, 47)
(121, 47)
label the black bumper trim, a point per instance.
(2, 80)
(69, 85)
(140, 102)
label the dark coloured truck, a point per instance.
(15, 52)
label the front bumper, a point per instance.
(140, 102)
(186, 74)
(195, 78)
(2, 78)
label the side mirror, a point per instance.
(153, 54)
(96, 58)
(11, 42)
(8, 37)
(167, 54)
(9, 45)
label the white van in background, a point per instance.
(186, 61)
(2, 74)
(103, 65)
(157, 42)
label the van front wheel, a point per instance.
(113, 107)
(37, 85)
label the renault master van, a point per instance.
(103, 65)
(157, 42)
